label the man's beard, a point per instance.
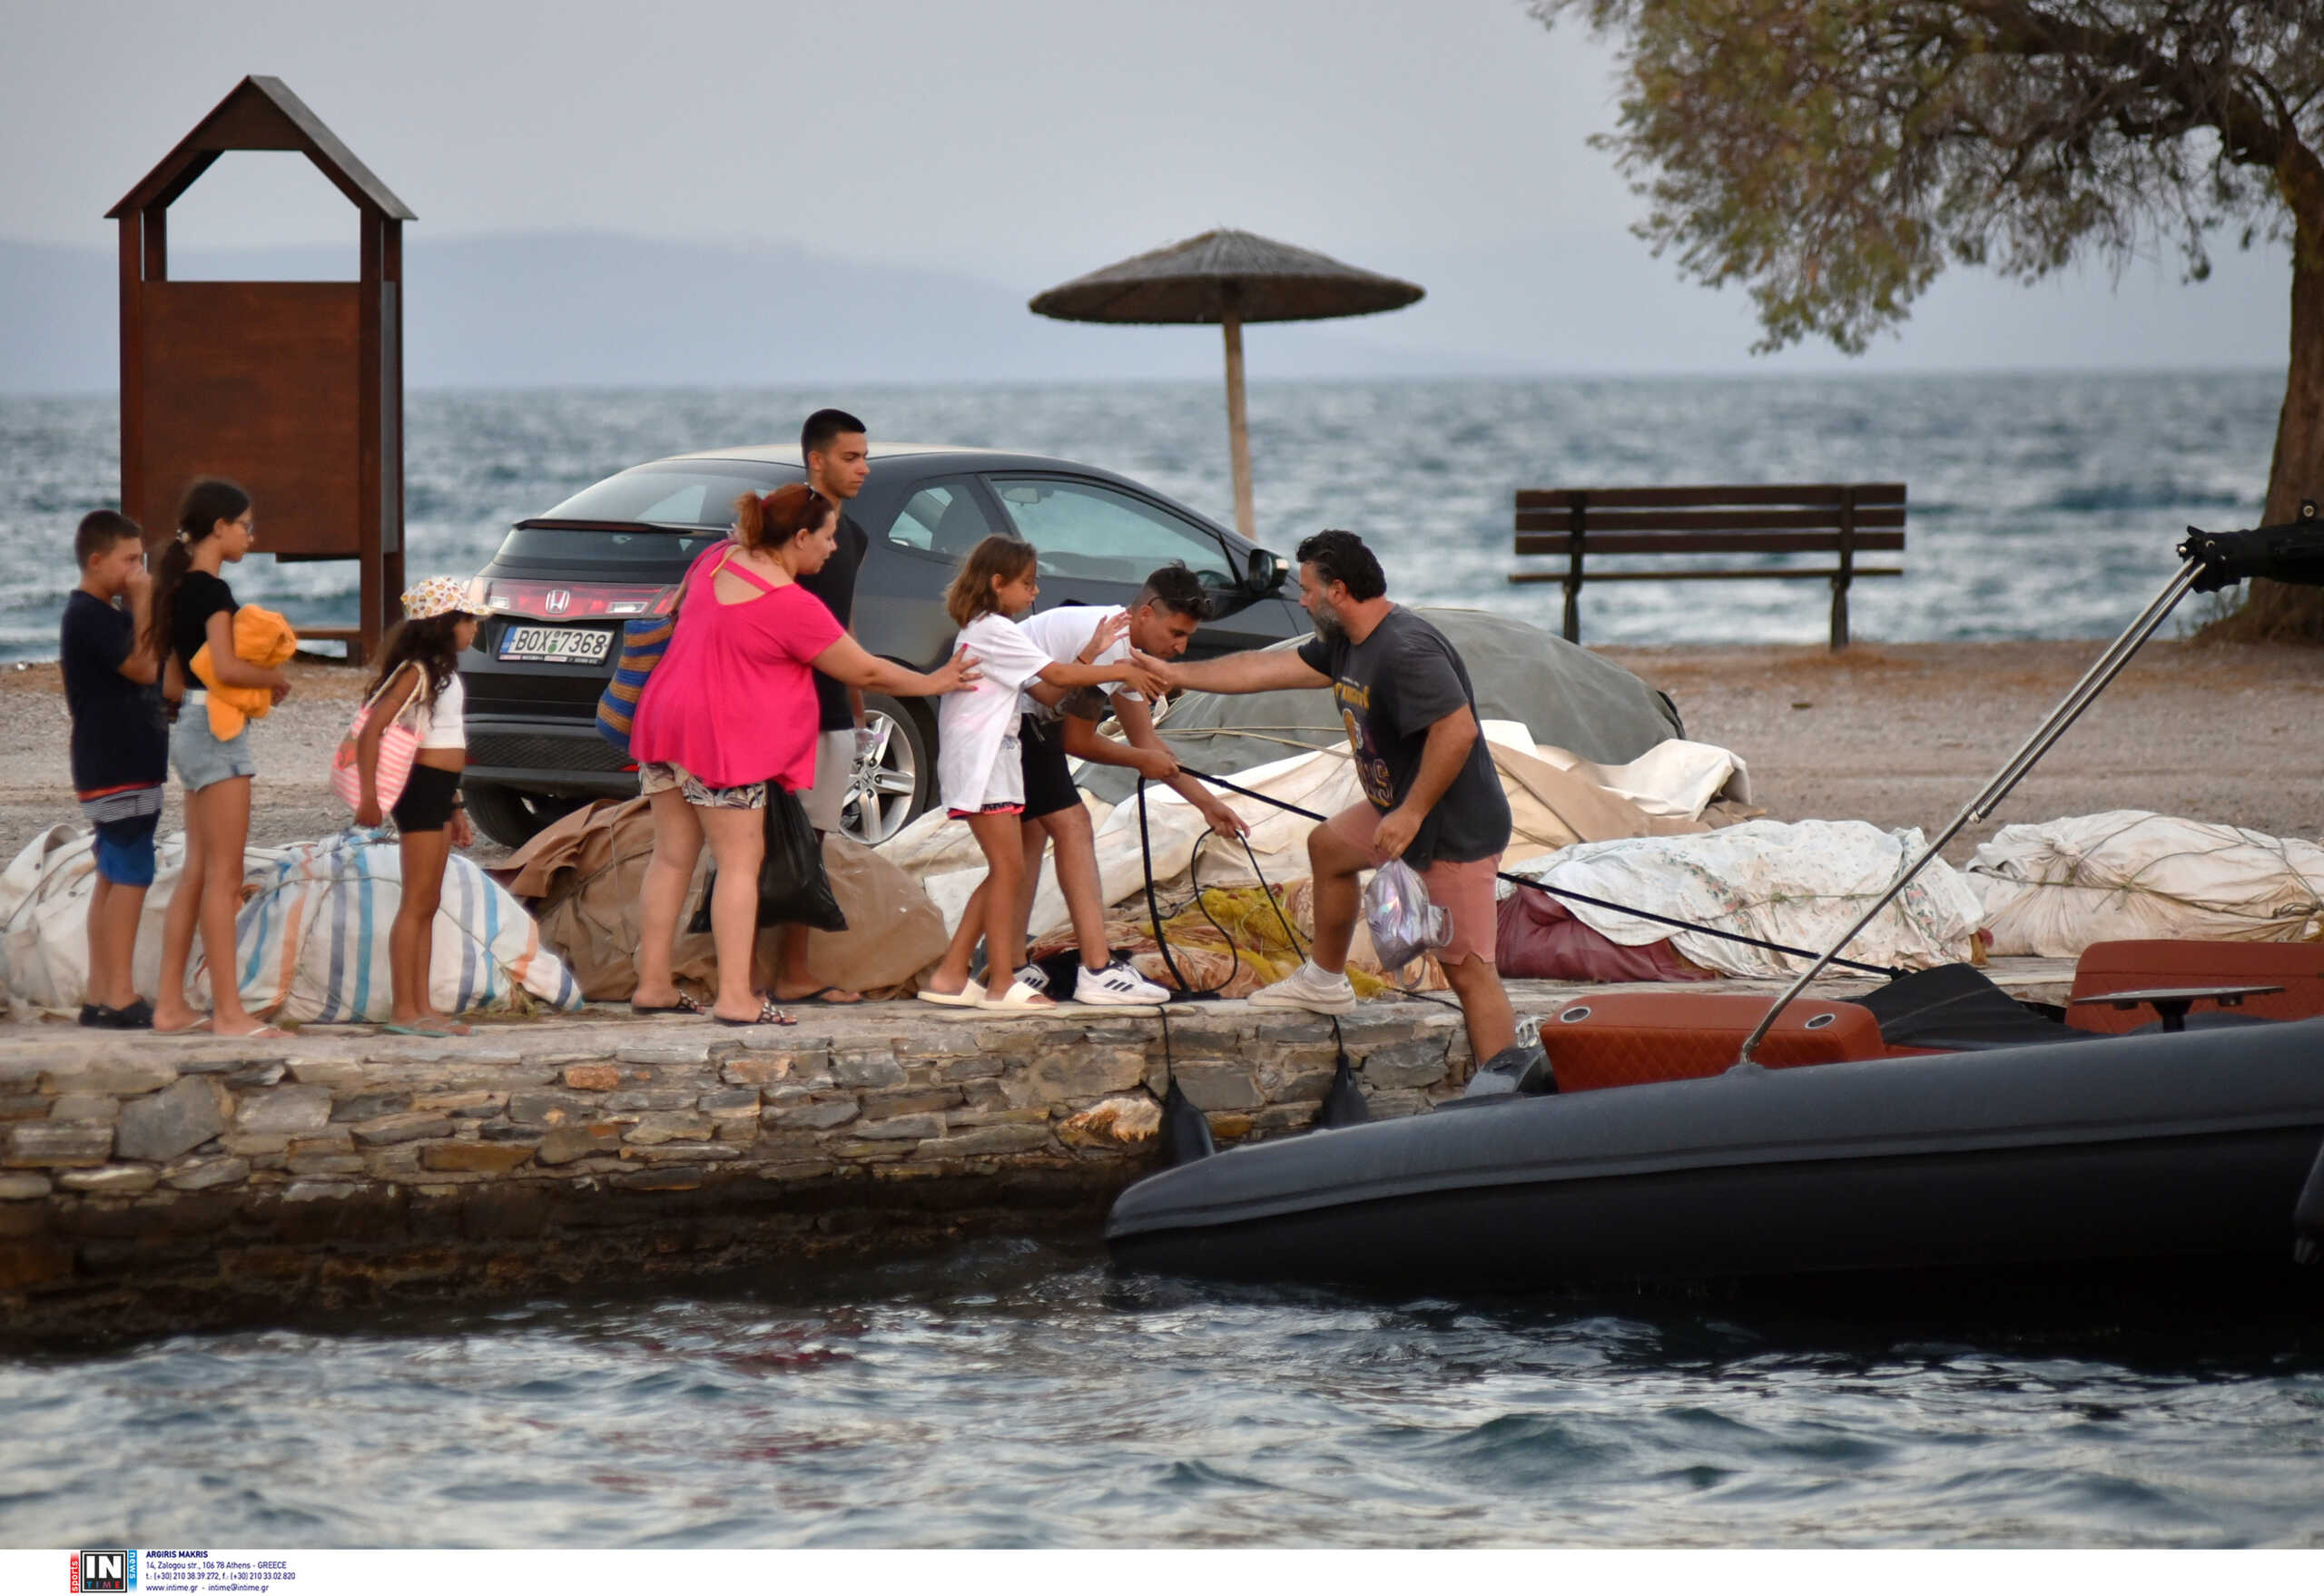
(1326, 623)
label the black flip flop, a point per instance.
(684, 1005)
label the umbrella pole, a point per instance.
(1238, 431)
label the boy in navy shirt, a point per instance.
(119, 750)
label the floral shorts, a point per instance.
(659, 776)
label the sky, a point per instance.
(1020, 142)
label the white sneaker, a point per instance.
(1310, 989)
(1117, 983)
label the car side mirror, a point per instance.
(1267, 571)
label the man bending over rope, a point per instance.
(1057, 725)
(1433, 796)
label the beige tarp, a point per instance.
(1550, 806)
(587, 873)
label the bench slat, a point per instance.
(1782, 493)
(1595, 576)
(1594, 544)
(1839, 518)
(1596, 521)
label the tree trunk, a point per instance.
(2274, 612)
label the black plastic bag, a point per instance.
(792, 888)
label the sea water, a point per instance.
(2041, 505)
(1023, 1393)
(1014, 1394)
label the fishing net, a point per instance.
(1247, 948)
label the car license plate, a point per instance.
(562, 645)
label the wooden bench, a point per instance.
(1841, 519)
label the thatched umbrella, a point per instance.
(1229, 278)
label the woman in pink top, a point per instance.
(731, 707)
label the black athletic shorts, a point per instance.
(1048, 784)
(427, 802)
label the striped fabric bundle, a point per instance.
(644, 641)
(311, 941)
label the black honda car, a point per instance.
(556, 593)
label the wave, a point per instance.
(2132, 497)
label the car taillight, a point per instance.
(569, 601)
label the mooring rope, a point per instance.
(1233, 952)
(1748, 941)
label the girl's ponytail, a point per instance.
(177, 559)
(208, 500)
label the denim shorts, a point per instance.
(202, 760)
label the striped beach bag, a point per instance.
(644, 641)
(398, 748)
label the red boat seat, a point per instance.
(1632, 1038)
(2126, 967)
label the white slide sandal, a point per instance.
(1021, 998)
(970, 996)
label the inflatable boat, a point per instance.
(1933, 1124)
(2205, 1141)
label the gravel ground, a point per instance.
(1899, 734)
(1906, 733)
(292, 800)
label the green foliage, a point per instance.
(1834, 157)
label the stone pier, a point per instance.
(153, 1184)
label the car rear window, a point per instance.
(675, 493)
(532, 545)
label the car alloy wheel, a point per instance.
(881, 798)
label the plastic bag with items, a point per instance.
(1403, 923)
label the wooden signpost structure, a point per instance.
(294, 389)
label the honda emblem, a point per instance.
(558, 601)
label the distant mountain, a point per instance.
(551, 309)
(600, 307)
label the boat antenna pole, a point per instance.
(2290, 553)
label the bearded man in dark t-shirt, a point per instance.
(1434, 798)
(837, 453)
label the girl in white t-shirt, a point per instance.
(978, 768)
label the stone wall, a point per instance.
(151, 1184)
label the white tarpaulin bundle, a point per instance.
(1554, 798)
(2057, 886)
(311, 942)
(1800, 883)
(44, 917)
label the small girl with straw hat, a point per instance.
(419, 682)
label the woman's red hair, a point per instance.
(769, 520)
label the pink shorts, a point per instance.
(1464, 891)
(988, 809)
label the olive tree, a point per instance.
(1834, 155)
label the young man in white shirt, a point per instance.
(1159, 622)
